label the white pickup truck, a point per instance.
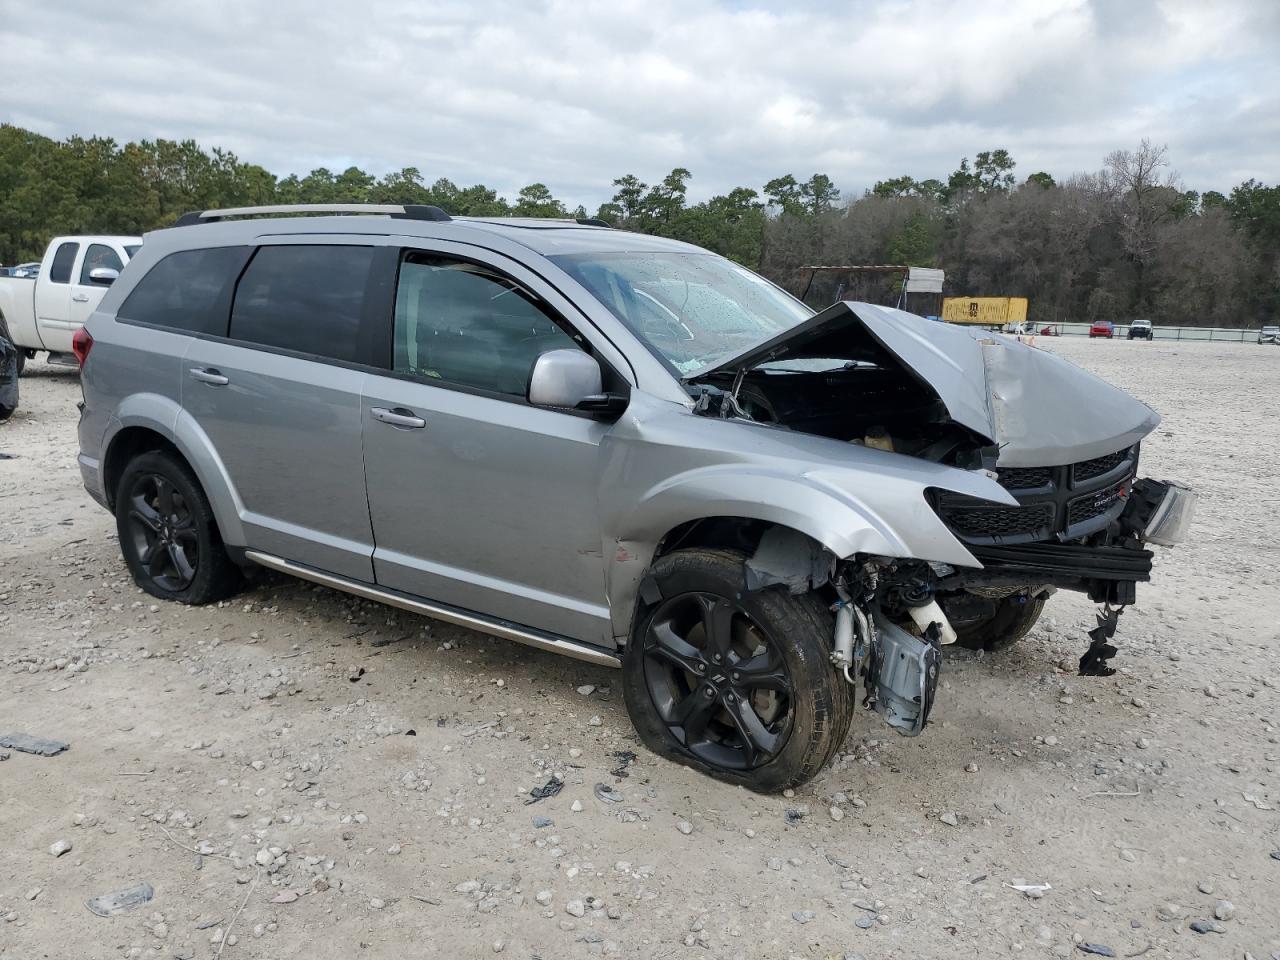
(44, 313)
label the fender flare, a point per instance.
(829, 514)
(162, 415)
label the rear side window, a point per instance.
(99, 255)
(304, 298)
(189, 291)
(63, 261)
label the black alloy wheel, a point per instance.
(718, 681)
(731, 681)
(168, 534)
(162, 528)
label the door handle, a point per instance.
(80, 297)
(399, 417)
(209, 376)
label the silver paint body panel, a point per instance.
(541, 519)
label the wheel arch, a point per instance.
(144, 424)
(734, 509)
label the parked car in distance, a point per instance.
(68, 283)
(613, 446)
(1141, 330)
(28, 270)
(1269, 335)
(1102, 328)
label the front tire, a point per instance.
(1012, 620)
(168, 534)
(735, 683)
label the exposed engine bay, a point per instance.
(1080, 523)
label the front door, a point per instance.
(479, 499)
(85, 294)
(279, 398)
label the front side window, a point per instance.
(184, 291)
(99, 255)
(304, 298)
(692, 309)
(463, 324)
(63, 260)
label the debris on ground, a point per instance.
(25, 743)
(548, 789)
(607, 793)
(1207, 926)
(1097, 949)
(625, 758)
(59, 847)
(122, 901)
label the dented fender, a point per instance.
(664, 468)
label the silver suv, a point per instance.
(613, 446)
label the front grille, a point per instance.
(1000, 521)
(1024, 478)
(1088, 469)
(1094, 504)
(1053, 502)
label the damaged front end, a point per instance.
(1062, 443)
(894, 616)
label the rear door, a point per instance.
(479, 499)
(279, 397)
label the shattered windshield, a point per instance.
(692, 309)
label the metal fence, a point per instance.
(1163, 333)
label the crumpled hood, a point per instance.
(1040, 409)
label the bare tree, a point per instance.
(1142, 195)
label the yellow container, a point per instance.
(984, 311)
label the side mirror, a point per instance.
(564, 378)
(104, 275)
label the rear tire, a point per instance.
(735, 683)
(1011, 622)
(168, 535)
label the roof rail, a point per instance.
(593, 222)
(405, 211)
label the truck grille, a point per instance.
(1024, 478)
(1088, 469)
(976, 521)
(1054, 503)
(1094, 504)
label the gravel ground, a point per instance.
(298, 774)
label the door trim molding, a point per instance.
(441, 611)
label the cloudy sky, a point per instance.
(576, 92)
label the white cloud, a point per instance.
(576, 92)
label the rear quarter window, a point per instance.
(63, 260)
(188, 291)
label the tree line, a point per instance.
(1125, 241)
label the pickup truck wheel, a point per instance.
(168, 534)
(1012, 620)
(732, 682)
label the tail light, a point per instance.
(81, 344)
